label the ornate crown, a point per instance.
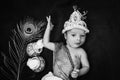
(76, 21)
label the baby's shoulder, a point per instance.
(58, 46)
(81, 52)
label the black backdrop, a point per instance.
(102, 44)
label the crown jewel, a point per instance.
(76, 15)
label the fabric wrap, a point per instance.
(62, 62)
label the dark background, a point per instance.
(102, 44)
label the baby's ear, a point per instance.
(65, 35)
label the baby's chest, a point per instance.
(76, 60)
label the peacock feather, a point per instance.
(14, 61)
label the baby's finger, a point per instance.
(47, 18)
(74, 75)
(76, 70)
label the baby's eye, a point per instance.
(82, 35)
(73, 35)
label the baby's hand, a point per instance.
(75, 73)
(49, 24)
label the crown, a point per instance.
(76, 21)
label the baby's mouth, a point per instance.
(78, 43)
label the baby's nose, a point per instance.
(78, 38)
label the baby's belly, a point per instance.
(62, 66)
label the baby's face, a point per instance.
(75, 37)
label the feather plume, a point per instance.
(14, 61)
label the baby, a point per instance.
(68, 57)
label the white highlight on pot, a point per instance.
(34, 49)
(36, 64)
(29, 49)
(38, 46)
(50, 76)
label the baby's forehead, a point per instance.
(77, 31)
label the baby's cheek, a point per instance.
(82, 39)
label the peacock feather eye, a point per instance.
(28, 27)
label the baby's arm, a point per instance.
(84, 62)
(85, 65)
(46, 40)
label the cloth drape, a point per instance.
(62, 62)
